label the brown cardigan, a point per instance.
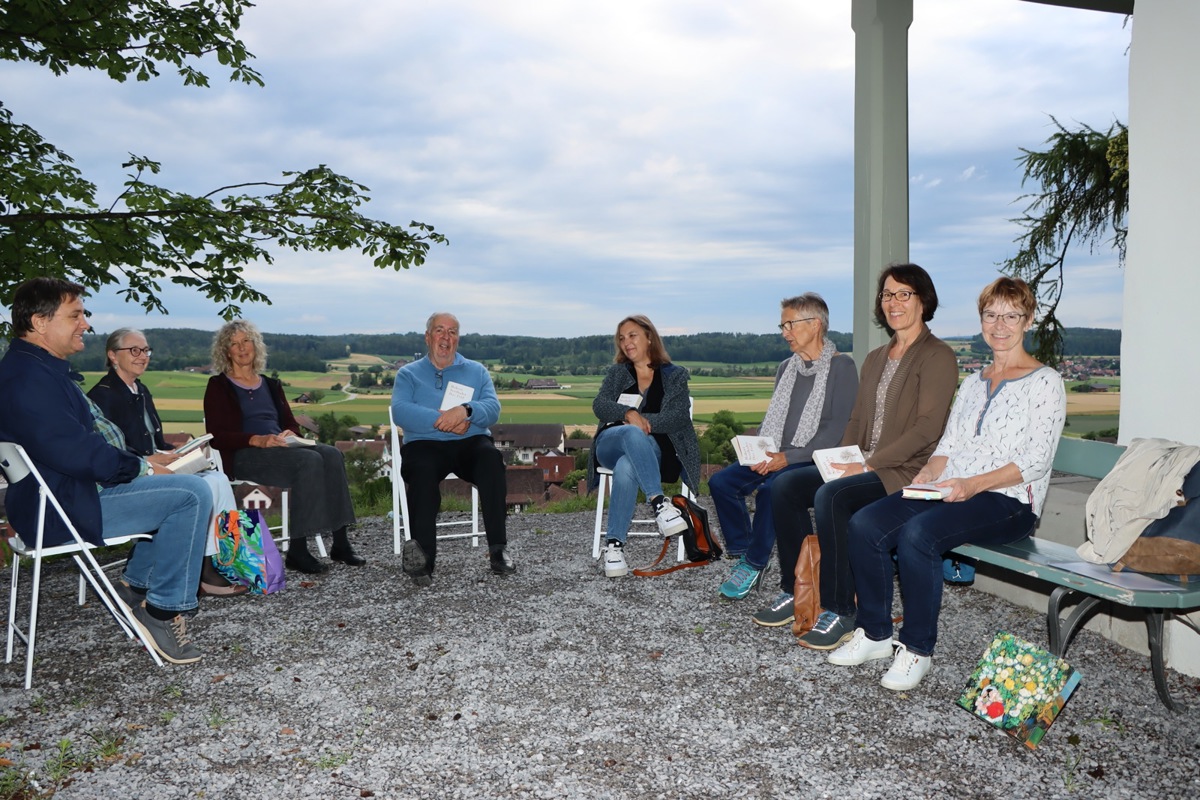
(914, 411)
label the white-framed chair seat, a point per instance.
(400, 531)
(603, 492)
(17, 466)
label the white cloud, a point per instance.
(692, 160)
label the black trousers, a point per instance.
(316, 477)
(476, 460)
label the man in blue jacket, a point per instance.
(104, 489)
(445, 404)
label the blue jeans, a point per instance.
(919, 532)
(634, 458)
(730, 487)
(833, 504)
(179, 508)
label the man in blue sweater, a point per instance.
(445, 403)
(104, 489)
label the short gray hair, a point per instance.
(435, 315)
(115, 339)
(810, 304)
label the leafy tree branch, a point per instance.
(1083, 201)
(53, 223)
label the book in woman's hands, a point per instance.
(752, 450)
(197, 460)
(924, 491)
(825, 459)
(192, 444)
(297, 441)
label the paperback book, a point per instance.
(825, 459)
(195, 461)
(1019, 688)
(753, 450)
(189, 446)
(924, 491)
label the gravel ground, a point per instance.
(555, 683)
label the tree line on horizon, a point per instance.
(179, 348)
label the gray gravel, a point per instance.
(557, 683)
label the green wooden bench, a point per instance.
(1037, 558)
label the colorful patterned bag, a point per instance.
(246, 553)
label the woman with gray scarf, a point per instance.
(814, 394)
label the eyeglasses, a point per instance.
(136, 352)
(903, 295)
(438, 385)
(1010, 319)
(787, 326)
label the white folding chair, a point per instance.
(604, 490)
(400, 531)
(17, 466)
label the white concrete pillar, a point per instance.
(1160, 373)
(880, 154)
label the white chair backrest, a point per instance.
(13, 462)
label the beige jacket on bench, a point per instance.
(1141, 487)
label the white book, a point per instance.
(753, 450)
(924, 491)
(196, 461)
(825, 459)
(456, 394)
(297, 441)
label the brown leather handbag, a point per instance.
(807, 592)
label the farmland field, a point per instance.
(179, 398)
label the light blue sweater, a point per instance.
(416, 398)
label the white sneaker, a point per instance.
(614, 561)
(860, 650)
(670, 521)
(906, 671)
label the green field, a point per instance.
(179, 398)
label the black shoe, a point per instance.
(416, 564)
(347, 556)
(502, 563)
(299, 559)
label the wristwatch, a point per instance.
(467, 406)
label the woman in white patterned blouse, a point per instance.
(994, 461)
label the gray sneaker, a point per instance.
(128, 595)
(416, 565)
(829, 632)
(781, 611)
(169, 637)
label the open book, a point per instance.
(752, 450)
(297, 441)
(192, 444)
(825, 459)
(197, 460)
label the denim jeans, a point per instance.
(633, 457)
(919, 532)
(730, 487)
(475, 459)
(833, 504)
(179, 508)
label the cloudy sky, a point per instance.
(687, 159)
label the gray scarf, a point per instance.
(777, 411)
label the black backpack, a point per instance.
(700, 546)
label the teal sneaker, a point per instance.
(743, 578)
(780, 611)
(830, 631)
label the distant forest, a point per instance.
(177, 348)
